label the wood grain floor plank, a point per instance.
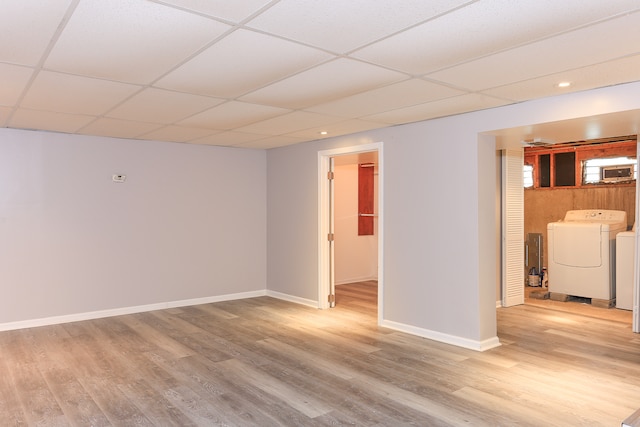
(40, 406)
(510, 412)
(228, 395)
(295, 356)
(298, 399)
(155, 337)
(77, 405)
(159, 410)
(524, 386)
(11, 410)
(337, 391)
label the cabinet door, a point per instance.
(512, 228)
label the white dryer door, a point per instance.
(577, 244)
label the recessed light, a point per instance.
(564, 84)
(323, 132)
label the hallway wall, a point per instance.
(188, 223)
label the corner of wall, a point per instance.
(483, 345)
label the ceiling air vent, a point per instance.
(537, 142)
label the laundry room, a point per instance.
(578, 197)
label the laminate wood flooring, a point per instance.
(267, 362)
(577, 306)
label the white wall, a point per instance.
(356, 257)
(440, 246)
(188, 223)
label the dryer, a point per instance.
(582, 253)
(625, 256)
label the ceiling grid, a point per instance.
(262, 74)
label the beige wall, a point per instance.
(189, 224)
(543, 206)
(356, 257)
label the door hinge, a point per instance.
(332, 298)
(330, 237)
(330, 175)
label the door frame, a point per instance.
(325, 220)
(635, 323)
(636, 261)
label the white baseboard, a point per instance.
(444, 338)
(291, 298)
(55, 320)
(220, 298)
(498, 304)
(425, 333)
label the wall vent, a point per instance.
(616, 173)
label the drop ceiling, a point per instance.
(262, 74)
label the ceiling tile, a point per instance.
(590, 45)
(14, 79)
(441, 108)
(619, 71)
(162, 106)
(241, 72)
(326, 82)
(118, 128)
(298, 120)
(241, 62)
(233, 114)
(45, 120)
(26, 28)
(73, 94)
(236, 10)
(308, 20)
(176, 134)
(128, 40)
(337, 129)
(397, 95)
(272, 142)
(483, 28)
(228, 138)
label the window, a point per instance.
(545, 170)
(528, 176)
(565, 169)
(610, 161)
(613, 169)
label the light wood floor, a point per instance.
(577, 307)
(267, 362)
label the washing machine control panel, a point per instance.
(596, 215)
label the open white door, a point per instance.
(330, 235)
(512, 228)
(636, 270)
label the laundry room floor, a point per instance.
(576, 307)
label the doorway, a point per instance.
(574, 176)
(332, 165)
(512, 140)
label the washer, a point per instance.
(625, 253)
(582, 253)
